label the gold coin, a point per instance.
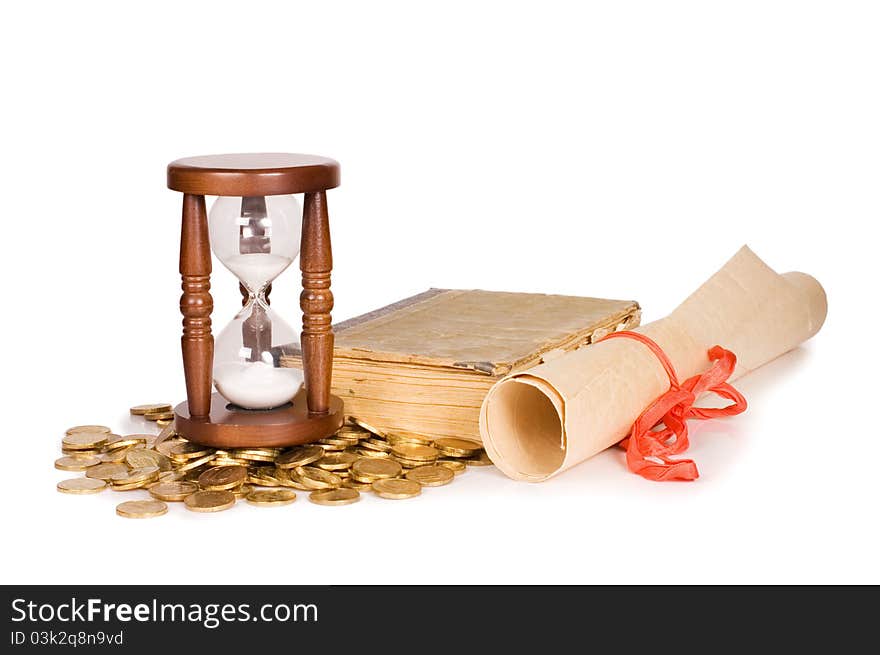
(114, 456)
(366, 426)
(263, 470)
(192, 475)
(352, 434)
(84, 452)
(336, 461)
(242, 490)
(258, 459)
(165, 446)
(366, 452)
(454, 465)
(148, 439)
(368, 469)
(139, 457)
(271, 497)
(228, 461)
(348, 426)
(396, 488)
(88, 428)
(164, 422)
(81, 486)
(410, 463)
(142, 474)
(409, 437)
(416, 452)
(329, 447)
(209, 501)
(452, 447)
(125, 442)
(220, 478)
(106, 471)
(195, 463)
(266, 451)
(256, 452)
(478, 460)
(170, 476)
(186, 450)
(335, 496)
(74, 463)
(84, 440)
(299, 457)
(164, 435)
(432, 475)
(351, 483)
(140, 484)
(350, 443)
(337, 441)
(267, 455)
(315, 478)
(173, 491)
(112, 438)
(159, 416)
(263, 480)
(140, 410)
(375, 444)
(284, 479)
(141, 509)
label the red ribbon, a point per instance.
(672, 410)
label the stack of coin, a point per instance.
(374, 447)
(148, 410)
(410, 455)
(335, 469)
(265, 455)
(85, 440)
(159, 413)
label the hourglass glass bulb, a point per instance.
(256, 238)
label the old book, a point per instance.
(424, 364)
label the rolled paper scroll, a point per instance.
(545, 420)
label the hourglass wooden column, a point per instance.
(313, 413)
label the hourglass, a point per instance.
(256, 229)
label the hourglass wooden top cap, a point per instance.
(253, 174)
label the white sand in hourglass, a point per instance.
(257, 269)
(257, 385)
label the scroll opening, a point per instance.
(532, 427)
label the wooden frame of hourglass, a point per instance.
(314, 413)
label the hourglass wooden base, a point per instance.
(228, 426)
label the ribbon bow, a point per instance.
(647, 448)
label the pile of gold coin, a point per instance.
(334, 470)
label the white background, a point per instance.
(623, 150)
